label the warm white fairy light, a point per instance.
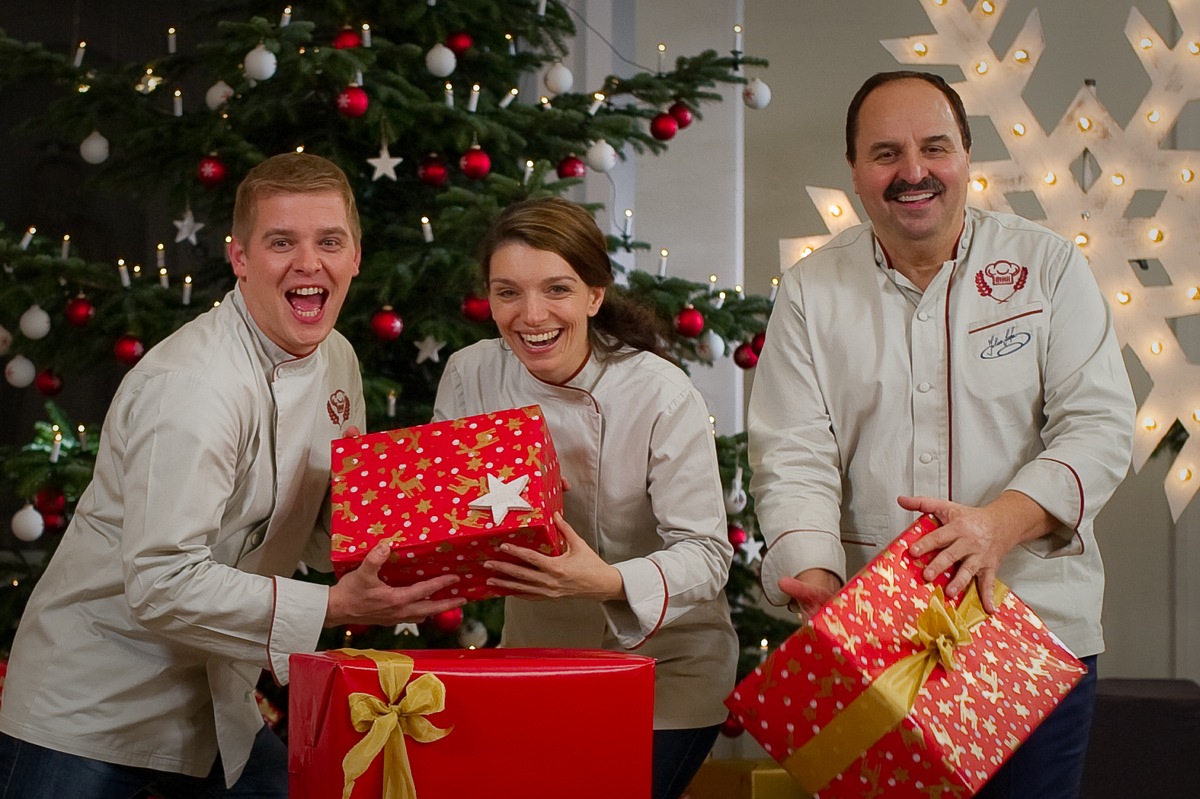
(1187, 175)
(807, 251)
(1184, 474)
(1149, 423)
(979, 183)
(662, 262)
(921, 49)
(597, 101)
(1021, 56)
(426, 230)
(1117, 179)
(79, 51)
(1146, 43)
(1124, 297)
(512, 43)
(662, 55)
(171, 41)
(1153, 117)
(366, 35)
(1193, 293)
(987, 7)
(712, 279)
(506, 101)
(1155, 234)
(65, 251)
(187, 290)
(1018, 128)
(1196, 414)
(835, 210)
(1081, 239)
(1156, 347)
(1193, 47)
(1049, 178)
(981, 68)
(1084, 123)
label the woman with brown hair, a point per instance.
(647, 550)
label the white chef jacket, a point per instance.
(145, 637)
(1004, 373)
(635, 446)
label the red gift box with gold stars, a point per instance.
(460, 723)
(446, 495)
(892, 690)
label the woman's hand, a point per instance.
(578, 572)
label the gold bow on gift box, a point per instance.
(941, 628)
(386, 723)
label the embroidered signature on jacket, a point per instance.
(1007, 344)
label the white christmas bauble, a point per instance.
(259, 63)
(440, 60)
(35, 323)
(735, 500)
(27, 524)
(558, 79)
(472, 634)
(756, 94)
(710, 347)
(5, 341)
(601, 156)
(94, 148)
(217, 95)
(19, 371)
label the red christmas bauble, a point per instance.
(54, 522)
(737, 535)
(79, 311)
(129, 350)
(571, 167)
(745, 356)
(731, 727)
(432, 170)
(348, 37)
(352, 102)
(386, 324)
(756, 343)
(449, 620)
(689, 322)
(459, 42)
(476, 308)
(475, 163)
(682, 115)
(50, 500)
(664, 127)
(211, 171)
(48, 383)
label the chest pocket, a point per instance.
(1003, 354)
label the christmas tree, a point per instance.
(441, 114)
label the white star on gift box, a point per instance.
(385, 164)
(188, 227)
(502, 497)
(427, 349)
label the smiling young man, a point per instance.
(136, 660)
(947, 360)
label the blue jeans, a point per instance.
(1049, 765)
(678, 755)
(28, 771)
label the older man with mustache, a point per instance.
(947, 360)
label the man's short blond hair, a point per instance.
(291, 173)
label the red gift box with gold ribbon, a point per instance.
(451, 724)
(446, 495)
(892, 690)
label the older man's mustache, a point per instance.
(899, 187)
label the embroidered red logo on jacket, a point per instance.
(1000, 280)
(338, 407)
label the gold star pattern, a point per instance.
(369, 496)
(377, 529)
(423, 506)
(424, 464)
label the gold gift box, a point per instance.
(743, 779)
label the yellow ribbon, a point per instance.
(386, 723)
(941, 628)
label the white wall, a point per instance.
(820, 52)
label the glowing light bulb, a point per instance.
(1153, 117)
(1085, 124)
(1018, 128)
(979, 183)
(807, 251)
(1021, 56)
(1124, 297)
(835, 210)
(981, 67)
(712, 279)
(1146, 43)
(1196, 414)
(1193, 293)
(1118, 179)
(1187, 175)
(1155, 234)
(987, 7)
(921, 49)
(1081, 239)
(1185, 474)
(1149, 423)
(1193, 48)
(1049, 178)
(1156, 347)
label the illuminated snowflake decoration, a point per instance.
(1085, 174)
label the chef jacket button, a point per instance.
(256, 539)
(926, 458)
(923, 386)
(924, 317)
